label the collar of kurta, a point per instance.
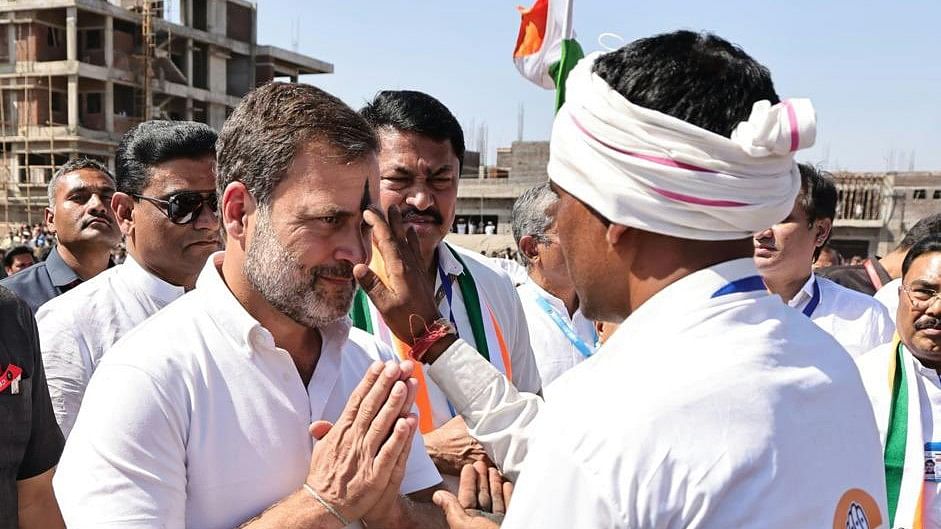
(150, 284)
(247, 332)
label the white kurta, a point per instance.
(888, 295)
(874, 367)
(858, 322)
(555, 353)
(705, 412)
(197, 419)
(78, 327)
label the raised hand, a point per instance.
(406, 300)
(359, 457)
(451, 447)
(481, 501)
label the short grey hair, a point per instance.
(531, 214)
(75, 164)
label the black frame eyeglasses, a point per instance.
(183, 207)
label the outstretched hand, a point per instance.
(403, 296)
(482, 499)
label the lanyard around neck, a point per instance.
(563, 325)
(465, 281)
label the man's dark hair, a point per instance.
(262, 136)
(75, 164)
(13, 252)
(930, 244)
(817, 197)
(418, 113)
(154, 142)
(928, 226)
(696, 77)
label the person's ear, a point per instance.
(822, 229)
(529, 247)
(123, 206)
(237, 206)
(49, 216)
(615, 232)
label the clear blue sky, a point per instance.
(873, 69)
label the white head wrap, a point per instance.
(644, 169)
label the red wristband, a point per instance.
(434, 332)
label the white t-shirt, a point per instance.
(705, 411)
(555, 352)
(857, 321)
(78, 327)
(196, 419)
(888, 295)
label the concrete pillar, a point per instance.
(188, 61)
(73, 104)
(109, 106)
(188, 13)
(109, 41)
(188, 114)
(11, 42)
(71, 33)
(216, 115)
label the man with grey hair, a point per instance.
(80, 214)
(560, 335)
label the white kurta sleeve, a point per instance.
(125, 463)
(64, 358)
(498, 415)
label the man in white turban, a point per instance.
(713, 404)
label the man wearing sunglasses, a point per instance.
(166, 206)
(902, 380)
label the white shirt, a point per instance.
(888, 295)
(78, 327)
(196, 419)
(856, 320)
(704, 412)
(554, 351)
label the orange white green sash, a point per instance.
(484, 331)
(904, 457)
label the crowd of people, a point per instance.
(288, 340)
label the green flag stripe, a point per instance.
(559, 71)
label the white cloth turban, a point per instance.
(651, 171)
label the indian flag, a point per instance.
(546, 50)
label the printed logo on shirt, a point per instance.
(857, 510)
(933, 462)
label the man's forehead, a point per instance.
(409, 148)
(183, 174)
(926, 268)
(85, 178)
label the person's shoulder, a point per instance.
(848, 299)
(26, 277)
(481, 266)
(839, 271)
(12, 305)
(84, 298)
(166, 341)
(363, 348)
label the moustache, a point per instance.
(410, 214)
(337, 271)
(87, 222)
(927, 322)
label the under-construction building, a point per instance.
(76, 74)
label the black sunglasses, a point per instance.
(183, 207)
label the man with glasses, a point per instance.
(166, 206)
(904, 387)
(561, 335)
(80, 213)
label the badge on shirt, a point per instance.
(933, 461)
(11, 379)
